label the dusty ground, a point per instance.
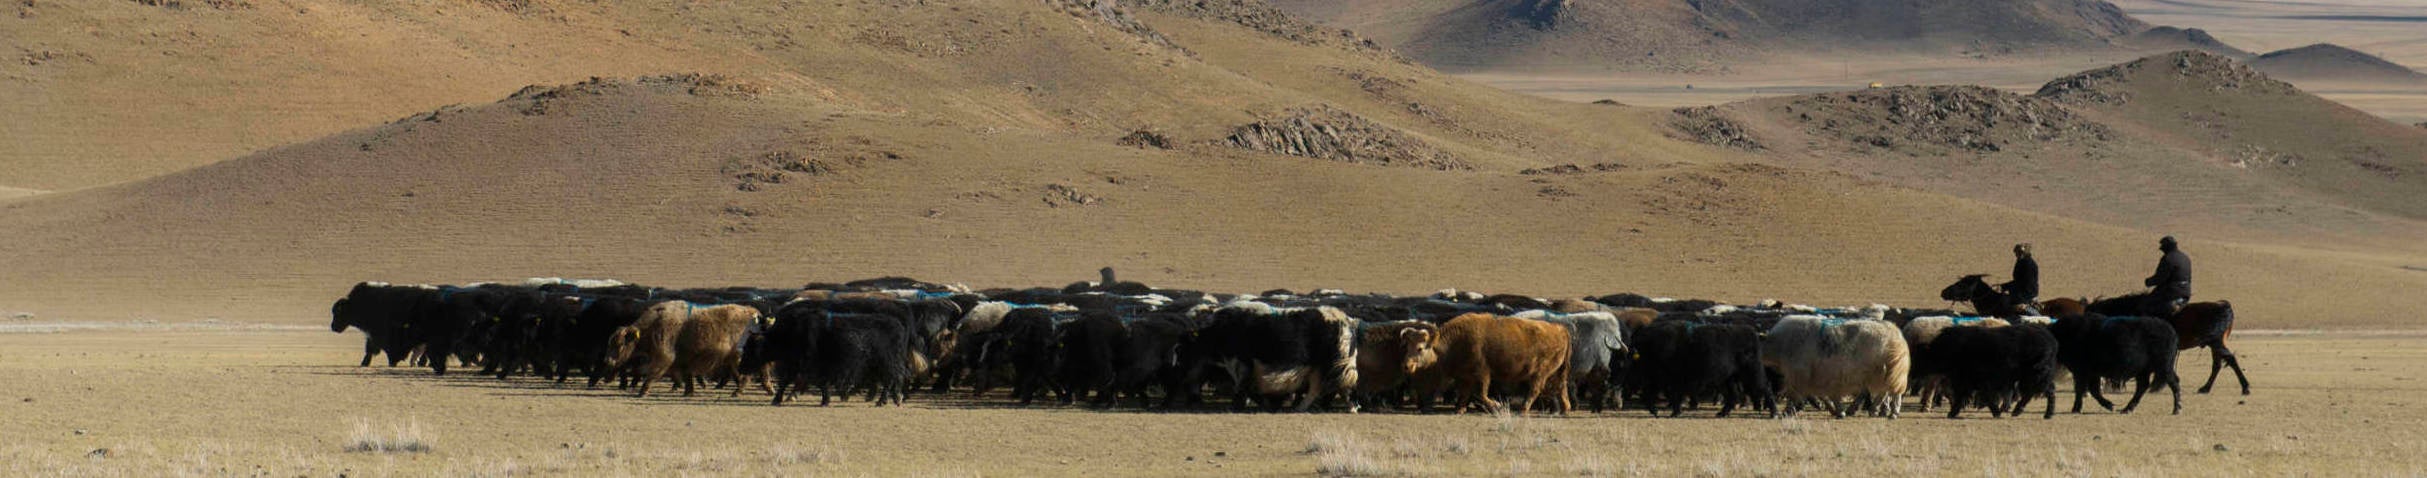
(209, 399)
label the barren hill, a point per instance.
(1195, 144)
(1686, 36)
(2168, 38)
(775, 187)
(2327, 62)
(190, 85)
(114, 90)
(2232, 113)
(2188, 142)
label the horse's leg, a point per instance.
(2216, 363)
(2233, 361)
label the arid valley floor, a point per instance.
(187, 185)
(152, 400)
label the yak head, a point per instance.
(1966, 288)
(940, 346)
(1419, 354)
(621, 345)
(337, 316)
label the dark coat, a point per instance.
(2025, 285)
(2173, 277)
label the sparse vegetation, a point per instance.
(531, 428)
(406, 438)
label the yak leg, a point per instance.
(650, 377)
(1958, 395)
(2174, 383)
(2098, 392)
(1314, 390)
(1483, 395)
(2048, 392)
(1728, 399)
(2140, 386)
(370, 348)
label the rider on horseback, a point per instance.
(2023, 291)
(2172, 281)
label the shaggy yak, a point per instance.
(692, 341)
(1679, 360)
(1998, 367)
(1826, 360)
(2099, 347)
(1928, 374)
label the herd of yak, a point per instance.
(1107, 341)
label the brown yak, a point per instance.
(693, 341)
(1474, 351)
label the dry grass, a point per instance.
(2323, 402)
(406, 438)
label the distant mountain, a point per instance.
(1699, 35)
(2330, 62)
(2168, 38)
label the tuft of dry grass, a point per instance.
(786, 454)
(406, 438)
(1329, 441)
(1591, 465)
(1346, 464)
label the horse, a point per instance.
(2199, 324)
(1985, 299)
(2064, 307)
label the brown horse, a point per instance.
(2200, 324)
(2063, 307)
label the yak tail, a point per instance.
(1897, 372)
(1343, 369)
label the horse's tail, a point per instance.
(2222, 326)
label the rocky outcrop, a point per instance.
(2197, 69)
(1257, 15)
(1708, 125)
(1111, 12)
(1328, 133)
(1970, 118)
